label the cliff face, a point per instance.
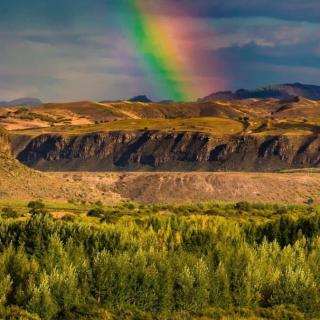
(160, 151)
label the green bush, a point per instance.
(9, 213)
(37, 208)
(243, 206)
(96, 212)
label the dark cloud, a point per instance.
(59, 13)
(259, 65)
(308, 10)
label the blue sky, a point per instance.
(63, 50)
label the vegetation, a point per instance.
(208, 261)
(8, 212)
(255, 116)
(205, 124)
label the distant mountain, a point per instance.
(141, 98)
(279, 91)
(166, 101)
(22, 102)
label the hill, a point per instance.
(22, 102)
(20, 182)
(235, 135)
(141, 98)
(82, 113)
(280, 91)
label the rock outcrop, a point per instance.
(166, 151)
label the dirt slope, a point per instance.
(19, 182)
(163, 187)
(231, 186)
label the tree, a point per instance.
(65, 288)
(5, 287)
(184, 293)
(37, 208)
(42, 301)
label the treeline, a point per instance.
(165, 266)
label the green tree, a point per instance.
(37, 208)
(42, 301)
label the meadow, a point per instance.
(136, 261)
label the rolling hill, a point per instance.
(84, 113)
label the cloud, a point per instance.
(66, 66)
(69, 50)
(293, 10)
(259, 65)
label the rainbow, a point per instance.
(149, 36)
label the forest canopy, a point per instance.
(172, 262)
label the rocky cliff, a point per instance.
(160, 151)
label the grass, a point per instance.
(216, 126)
(220, 118)
(296, 127)
(51, 206)
(241, 211)
(209, 125)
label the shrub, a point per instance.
(36, 205)
(9, 213)
(242, 206)
(310, 201)
(37, 208)
(96, 212)
(69, 218)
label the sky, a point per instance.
(66, 50)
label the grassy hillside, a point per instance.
(295, 116)
(218, 126)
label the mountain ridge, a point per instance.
(276, 91)
(23, 102)
(140, 98)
